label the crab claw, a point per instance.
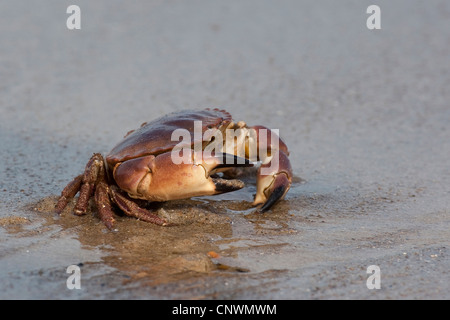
(223, 162)
(273, 186)
(158, 178)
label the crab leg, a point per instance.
(93, 167)
(102, 201)
(130, 208)
(104, 205)
(68, 193)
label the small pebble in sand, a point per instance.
(213, 254)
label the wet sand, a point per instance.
(365, 115)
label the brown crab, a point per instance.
(141, 166)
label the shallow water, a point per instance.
(364, 113)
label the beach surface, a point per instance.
(365, 114)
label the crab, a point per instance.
(141, 167)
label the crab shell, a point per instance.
(141, 163)
(154, 138)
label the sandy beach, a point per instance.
(365, 114)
